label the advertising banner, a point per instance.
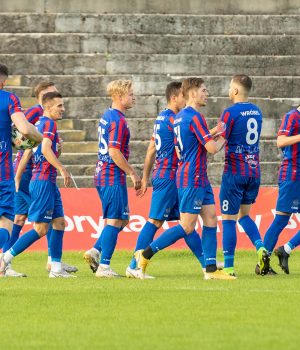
(84, 221)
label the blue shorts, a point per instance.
(288, 197)
(22, 197)
(192, 199)
(46, 203)
(164, 202)
(7, 194)
(114, 201)
(236, 190)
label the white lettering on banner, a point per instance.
(98, 228)
(136, 223)
(69, 224)
(78, 222)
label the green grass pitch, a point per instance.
(177, 310)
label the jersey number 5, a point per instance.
(102, 142)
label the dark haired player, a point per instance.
(241, 176)
(46, 205)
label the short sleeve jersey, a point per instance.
(243, 127)
(290, 166)
(192, 134)
(9, 104)
(166, 160)
(42, 169)
(113, 132)
(32, 114)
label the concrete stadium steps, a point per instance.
(179, 64)
(147, 85)
(28, 43)
(72, 135)
(149, 7)
(143, 24)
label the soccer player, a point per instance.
(288, 201)
(10, 111)
(241, 176)
(46, 205)
(194, 190)
(110, 176)
(22, 195)
(164, 202)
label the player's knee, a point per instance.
(59, 224)
(157, 223)
(20, 220)
(41, 229)
(124, 223)
(210, 221)
(188, 227)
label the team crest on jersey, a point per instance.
(197, 204)
(295, 205)
(250, 159)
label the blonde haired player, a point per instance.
(110, 175)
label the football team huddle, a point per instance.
(177, 153)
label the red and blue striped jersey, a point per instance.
(166, 160)
(9, 104)
(113, 132)
(289, 169)
(191, 137)
(243, 127)
(42, 169)
(32, 114)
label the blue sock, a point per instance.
(209, 241)
(49, 239)
(4, 236)
(97, 245)
(56, 244)
(24, 242)
(295, 241)
(108, 243)
(167, 238)
(229, 242)
(273, 232)
(13, 238)
(144, 239)
(193, 241)
(251, 230)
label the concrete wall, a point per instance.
(153, 6)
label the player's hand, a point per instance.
(141, 192)
(136, 180)
(67, 177)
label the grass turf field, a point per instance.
(178, 310)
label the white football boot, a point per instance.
(66, 267)
(12, 273)
(106, 272)
(137, 273)
(60, 274)
(92, 257)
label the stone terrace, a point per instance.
(81, 53)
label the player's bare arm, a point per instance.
(214, 146)
(21, 167)
(122, 163)
(27, 129)
(148, 164)
(283, 140)
(53, 160)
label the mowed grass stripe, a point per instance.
(177, 310)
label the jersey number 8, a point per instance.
(252, 134)
(103, 148)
